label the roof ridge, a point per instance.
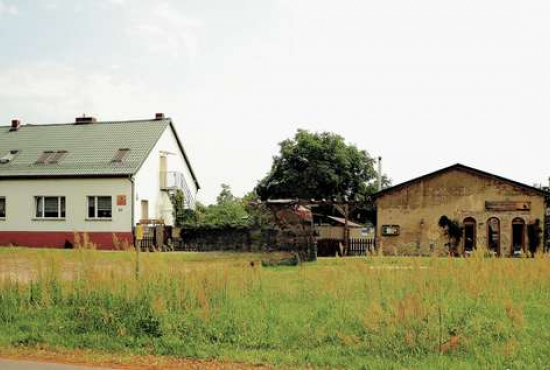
(463, 167)
(167, 119)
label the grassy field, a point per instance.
(360, 313)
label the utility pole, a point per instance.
(379, 173)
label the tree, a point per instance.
(319, 166)
(534, 232)
(453, 230)
(180, 212)
(229, 211)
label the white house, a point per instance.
(101, 178)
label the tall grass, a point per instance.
(371, 312)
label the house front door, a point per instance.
(145, 210)
(163, 172)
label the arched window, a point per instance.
(470, 235)
(518, 236)
(493, 235)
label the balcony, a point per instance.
(172, 181)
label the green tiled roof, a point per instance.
(91, 147)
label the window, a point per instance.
(51, 157)
(121, 155)
(518, 236)
(2, 207)
(50, 207)
(391, 230)
(470, 235)
(8, 157)
(57, 156)
(493, 235)
(100, 207)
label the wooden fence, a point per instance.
(357, 247)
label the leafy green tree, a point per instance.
(319, 166)
(178, 201)
(454, 231)
(229, 211)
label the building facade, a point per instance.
(98, 178)
(502, 216)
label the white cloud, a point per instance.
(8, 9)
(47, 91)
(167, 31)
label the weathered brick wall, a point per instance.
(456, 194)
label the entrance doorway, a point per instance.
(493, 235)
(163, 172)
(470, 237)
(518, 236)
(144, 210)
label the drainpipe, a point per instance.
(132, 203)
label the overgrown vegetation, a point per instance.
(368, 313)
(228, 211)
(534, 233)
(454, 231)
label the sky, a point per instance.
(424, 84)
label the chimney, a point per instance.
(15, 125)
(84, 120)
(159, 116)
(379, 173)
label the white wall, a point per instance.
(147, 180)
(21, 212)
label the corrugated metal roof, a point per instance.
(91, 147)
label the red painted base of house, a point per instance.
(47, 239)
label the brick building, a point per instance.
(498, 214)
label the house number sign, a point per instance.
(121, 200)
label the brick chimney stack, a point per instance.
(159, 116)
(15, 125)
(85, 120)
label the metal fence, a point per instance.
(356, 247)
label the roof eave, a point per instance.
(465, 168)
(64, 176)
(187, 161)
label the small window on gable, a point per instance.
(121, 155)
(8, 157)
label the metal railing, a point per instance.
(172, 181)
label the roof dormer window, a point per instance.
(51, 157)
(121, 155)
(57, 156)
(8, 157)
